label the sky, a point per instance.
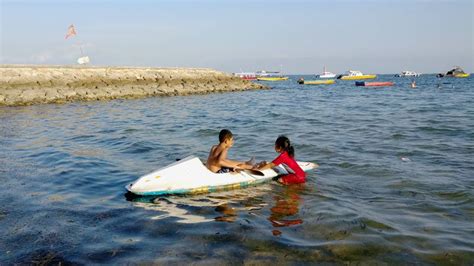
(296, 37)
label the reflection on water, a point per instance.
(394, 185)
(285, 207)
(229, 214)
(227, 206)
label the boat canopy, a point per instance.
(456, 70)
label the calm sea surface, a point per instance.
(395, 183)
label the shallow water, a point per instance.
(395, 183)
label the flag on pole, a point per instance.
(71, 31)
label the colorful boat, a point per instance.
(326, 74)
(190, 176)
(456, 72)
(316, 82)
(246, 75)
(272, 78)
(373, 84)
(270, 75)
(355, 75)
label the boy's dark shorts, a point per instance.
(224, 170)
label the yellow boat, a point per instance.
(272, 78)
(318, 82)
(462, 75)
(355, 75)
(456, 72)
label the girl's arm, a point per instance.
(266, 166)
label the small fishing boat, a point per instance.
(407, 73)
(316, 82)
(373, 84)
(191, 176)
(269, 78)
(355, 75)
(326, 74)
(456, 72)
(246, 75)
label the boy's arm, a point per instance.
(223, 161)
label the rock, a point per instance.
(22, 85)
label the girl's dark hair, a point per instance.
(284, 143)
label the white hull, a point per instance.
(408, 74)
(326, 76)
(415, 75)
(189, 176)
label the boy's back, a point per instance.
(214, 157)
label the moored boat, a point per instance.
(190, 176)
(326, 74)
(373, 84)
(355, 75)
(272, 78)
(456, 72)
(317, 82)
(407, 73)
(246, 75)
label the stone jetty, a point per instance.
(25, 85)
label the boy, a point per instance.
(217, 161)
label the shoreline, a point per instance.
(40, 84)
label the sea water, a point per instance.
(395, 182)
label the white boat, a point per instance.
(326, 74)
(191, 176)
(407, 73)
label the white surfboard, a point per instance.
(190, 176)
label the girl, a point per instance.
(287, 153)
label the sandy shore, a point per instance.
(25, 85)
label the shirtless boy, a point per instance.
(217, 161)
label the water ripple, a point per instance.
(394, 185)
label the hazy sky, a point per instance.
(383, 36)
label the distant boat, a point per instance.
(373, 84)
(355, 75)
(407, 73)
(246, 75)
(272, 78)
(264, 73)
(326, 74)
(316, 82)
(456, 72)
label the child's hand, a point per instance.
(251, 161)
(260, 164)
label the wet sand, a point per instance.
(26, 85)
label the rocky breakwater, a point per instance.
(25, 85)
